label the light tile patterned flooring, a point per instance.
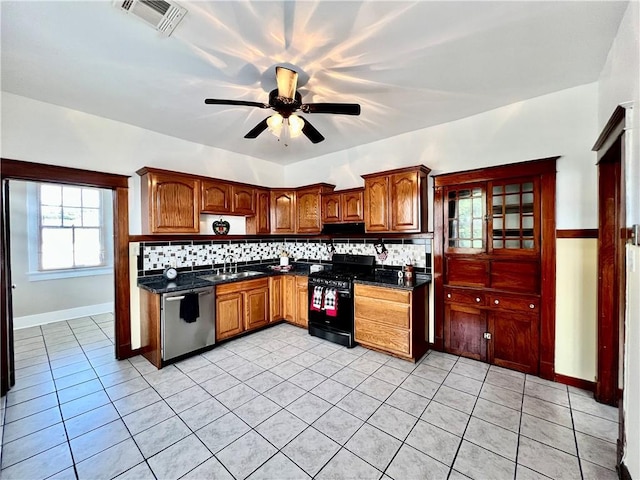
(279, 404)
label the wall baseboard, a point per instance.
(60, 315)
(575, 382)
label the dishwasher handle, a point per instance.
(167, 298)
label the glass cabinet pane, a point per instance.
(466, 218)
(513, 222)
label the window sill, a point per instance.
(71, 273)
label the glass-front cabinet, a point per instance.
(489, 262)
(493, 216)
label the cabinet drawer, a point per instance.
(241, 286)
(506, 302)
(387, 313)
(466, 297)
(382, 336)
(380, 293)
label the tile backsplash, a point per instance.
(201, 254)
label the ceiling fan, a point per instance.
(285, 100)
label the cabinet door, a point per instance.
(464, 219)
(331, 208)
(243, 200)
(275, 298)
(263, 200)
(215, 197)
(352, 206)
(464, 328)
(289, 298)
(514, 340)
(514, 223)
(174, 203)
(302, 302)
(308, 211)
(228, 315)
(283, 204)
(405, 202)
(256, 307)
(376, 204)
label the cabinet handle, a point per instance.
(496, 301)
(478, 299)
(531, 305)
(448, 295)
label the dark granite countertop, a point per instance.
(192, 280)
(390, 279)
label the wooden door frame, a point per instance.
(545, 168)
(612, 235)
(37, 172)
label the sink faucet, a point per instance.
(231, 257)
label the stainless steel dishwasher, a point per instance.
(180, 337)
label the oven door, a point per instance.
(343, 321)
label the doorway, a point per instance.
(118, 184)
(62, 253)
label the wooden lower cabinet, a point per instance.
(228, 315)
(464, 328)
(256, 307)
(392, 320)
(514, 344)
(498, 328)
(289, 298)
(295, 305)
(275, 299)
(241, 306)
(302, 301)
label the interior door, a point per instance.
(6, 310)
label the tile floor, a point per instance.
(279, 404)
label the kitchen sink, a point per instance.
(229, 276)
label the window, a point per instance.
(70, 231)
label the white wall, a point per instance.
(36, 302)
(562, 123)
(44, 133)
(576, 308)
(620, 84)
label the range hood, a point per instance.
(343, 228)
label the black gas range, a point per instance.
(331, 297)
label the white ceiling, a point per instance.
(410, 65)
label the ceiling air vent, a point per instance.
(163, 16)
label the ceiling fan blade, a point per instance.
(310, 131)
(215, 101)
(337, 108)
(287, 80)
(257, 130)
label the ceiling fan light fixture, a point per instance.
(274, 123)
(296, 124)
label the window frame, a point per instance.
(34, 231)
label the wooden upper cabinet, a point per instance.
(344, 206)
(406, 198)
(283, 211)
(243, 200)
(220, 197)
(376, 204)
(396, 200)
(353, 205)
(331, 208)
(215, 197)
(308, 211)
(260, 223)
(170, 202)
